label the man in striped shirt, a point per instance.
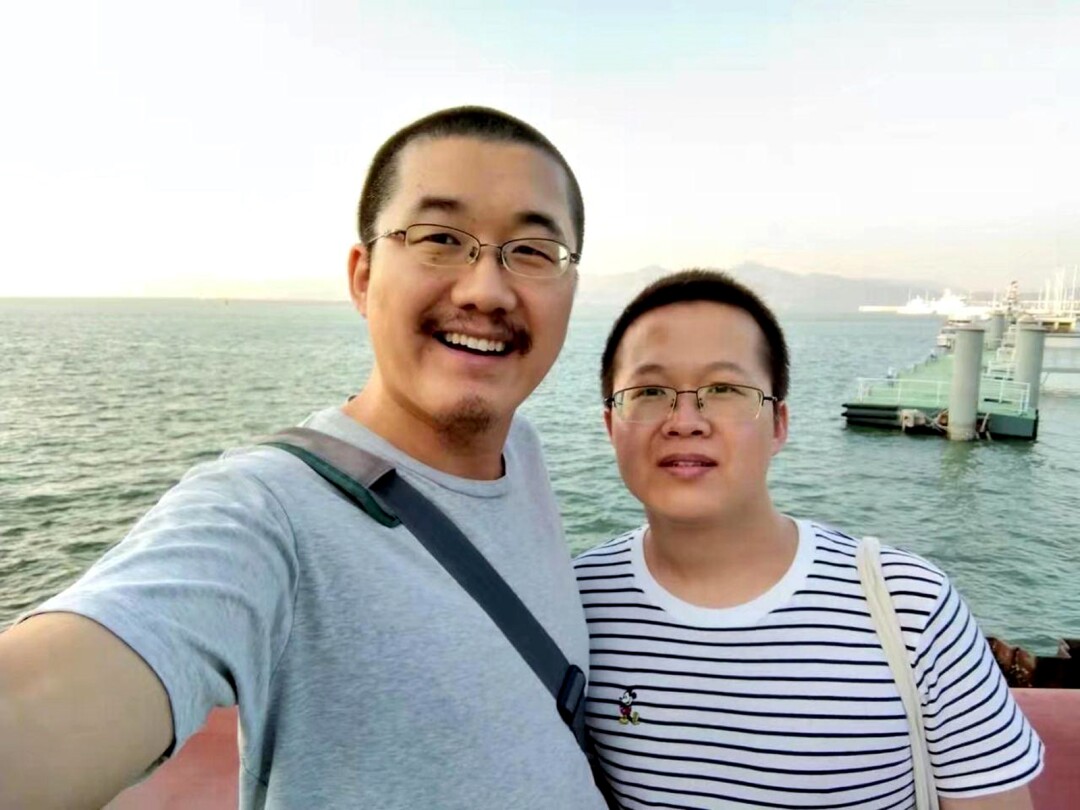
(734, 662)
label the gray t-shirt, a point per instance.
(365, 676)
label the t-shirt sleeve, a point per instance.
(979, 740)
(202, 589)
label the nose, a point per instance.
(686, 419)
(485, 285)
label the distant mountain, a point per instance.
(785, 291)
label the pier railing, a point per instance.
(1003, 396)
(1010, 396)
(898, 391)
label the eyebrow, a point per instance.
(543, 220)
(450, 205)
(441, 204)
(719, 365)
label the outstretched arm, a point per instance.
(81, 715)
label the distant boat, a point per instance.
(948, 305)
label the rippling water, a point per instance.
(104, 404)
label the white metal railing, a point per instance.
(892, 390)
(1008, 396)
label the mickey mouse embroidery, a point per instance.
(626, 708)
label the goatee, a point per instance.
(470, 418)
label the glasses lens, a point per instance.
(441, 246)
(539, 258)
(729, 403)
(650, 403)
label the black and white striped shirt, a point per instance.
(787, 701)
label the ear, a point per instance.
(359, 276)
(780, 426)
(607, 421)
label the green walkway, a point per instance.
(1003, 403)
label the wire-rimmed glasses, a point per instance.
(442, 246)
(720, 401)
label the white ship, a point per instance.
(948, 305)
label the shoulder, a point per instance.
(605, 570)
(259, 489)
(216, 504)
(917, 586)
(896, 563)
(615, 550)
(523, 450)
(523, 434)
(254, 471)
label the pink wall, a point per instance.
(204, 773)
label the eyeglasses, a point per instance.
(440, 246)
(720, 401)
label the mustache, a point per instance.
(516, 337)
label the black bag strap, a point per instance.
(374, 485)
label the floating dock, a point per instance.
(985, 377)
(976, 391)
(917, 401)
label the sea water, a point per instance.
(105, 403)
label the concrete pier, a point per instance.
(995, 330)
(964, 389)
(1030, 342)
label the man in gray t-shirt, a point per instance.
(364, 676)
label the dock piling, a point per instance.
(964, 390)
(1030, 342)
(995, 330)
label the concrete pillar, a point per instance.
(1030, 341)
(964, 391)
(995, 330)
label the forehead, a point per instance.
(685, 338)
(490, 181)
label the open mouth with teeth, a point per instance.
(474, 345)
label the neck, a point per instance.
(464, 453)
(721, 563)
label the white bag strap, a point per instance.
(887, 624)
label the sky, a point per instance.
(216, 148)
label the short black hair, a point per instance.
(483, 123)
(692, 285)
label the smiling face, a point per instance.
(458, 349)
(688, 468)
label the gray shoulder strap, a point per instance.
(356, 463)
(349, 468)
